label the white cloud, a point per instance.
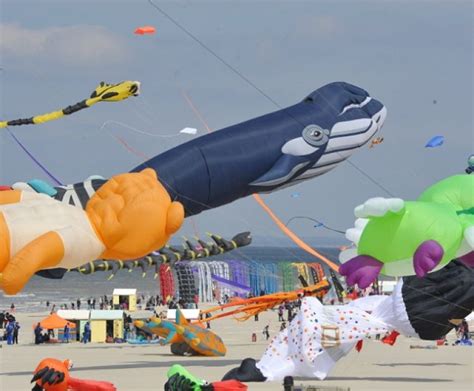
(79, 45)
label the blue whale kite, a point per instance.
(263, 154)
(260, 155)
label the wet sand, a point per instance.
(136, 368)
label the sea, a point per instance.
(75, 286)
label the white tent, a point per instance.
(74, 314)
(124, 292)
(192, 314)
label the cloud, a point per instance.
(79, 45)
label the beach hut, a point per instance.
(125, 299)
(106, 325)
(79, 318)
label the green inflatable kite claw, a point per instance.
(400, 238)
(180, 379)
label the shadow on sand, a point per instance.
(145, 364)
(382, 379)
(419, 364)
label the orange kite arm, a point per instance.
(44, 252)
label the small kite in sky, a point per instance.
(188, 131)
(435, 141)
(145, 30)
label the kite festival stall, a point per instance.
(77, 317)
(106, 325)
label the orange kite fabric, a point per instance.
(293, 236)
(53, 375)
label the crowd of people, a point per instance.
(47, 336)
(102, 303)
(9, 326)
(145, 302)
(286, 312)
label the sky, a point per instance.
(407, 54)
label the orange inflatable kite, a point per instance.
(255, 305)
(130, 216)
(53, 375)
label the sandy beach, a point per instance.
(136, 368)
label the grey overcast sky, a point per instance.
(405, 53)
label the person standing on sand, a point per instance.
(9, 332)
(466, 329)
(16, 329)
(12, 308)
(87, 333)
(38, 331)
(66, 333)
(266, 333)
(280, 313)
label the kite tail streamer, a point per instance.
(38, 163)
(292, 235)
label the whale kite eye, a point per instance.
(314, 135)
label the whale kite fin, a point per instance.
(282, 171)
